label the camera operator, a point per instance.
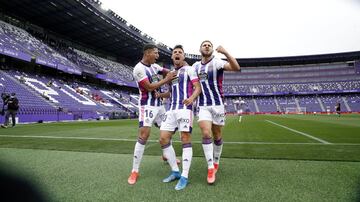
(12, 107)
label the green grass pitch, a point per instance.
(265, 158)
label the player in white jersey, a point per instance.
(150, 107)
(183, 91)
(211, 106)
(240, 108)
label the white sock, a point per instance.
(218, 145)
(186, 159)
(169, 153)
(138, 154)
(208, 152)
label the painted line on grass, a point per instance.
(198, 142)
(301, 133)
(73, 138)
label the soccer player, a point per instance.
(183, 91)
(240, 109)
(150, 107)
(211, 106)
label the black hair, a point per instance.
(179, 46)
(149, 46)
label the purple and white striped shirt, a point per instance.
(211, 77)
(182, 87)
(151, 73)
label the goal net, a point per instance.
(295, 110)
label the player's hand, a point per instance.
(171, 76)
(221, 50)
(157, 94)
(188, 101)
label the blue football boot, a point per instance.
(174, 175)
(182, 183)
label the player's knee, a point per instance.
(217, 137)
(144, 132)
(206, 134)
(164, 140)
(217, 134)
(216, 130)
(185, 137)
(144, 136)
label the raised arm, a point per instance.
(232, 64)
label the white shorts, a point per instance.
(216, 114)
(149, 115)
(179, 119)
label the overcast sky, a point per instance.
(248, 28)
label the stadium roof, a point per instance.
(85, 22)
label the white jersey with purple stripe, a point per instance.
(182, 87)
(211, 77)
(151, 73)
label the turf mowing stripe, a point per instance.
(198, 142)
(299, 132)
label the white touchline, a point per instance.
(301, 133)
(176, 141)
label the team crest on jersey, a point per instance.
(175, 81)
(203, 76)
(155, 78)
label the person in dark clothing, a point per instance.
(12, 104)
(338, 108)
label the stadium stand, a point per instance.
(19, 42)
(310, 88)
(86, 74)
(42, 101)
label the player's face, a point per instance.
(153, 55)
(178, 57)
(206, 49)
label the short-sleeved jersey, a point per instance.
(151, 73)
(182, 87)
(211, 77)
